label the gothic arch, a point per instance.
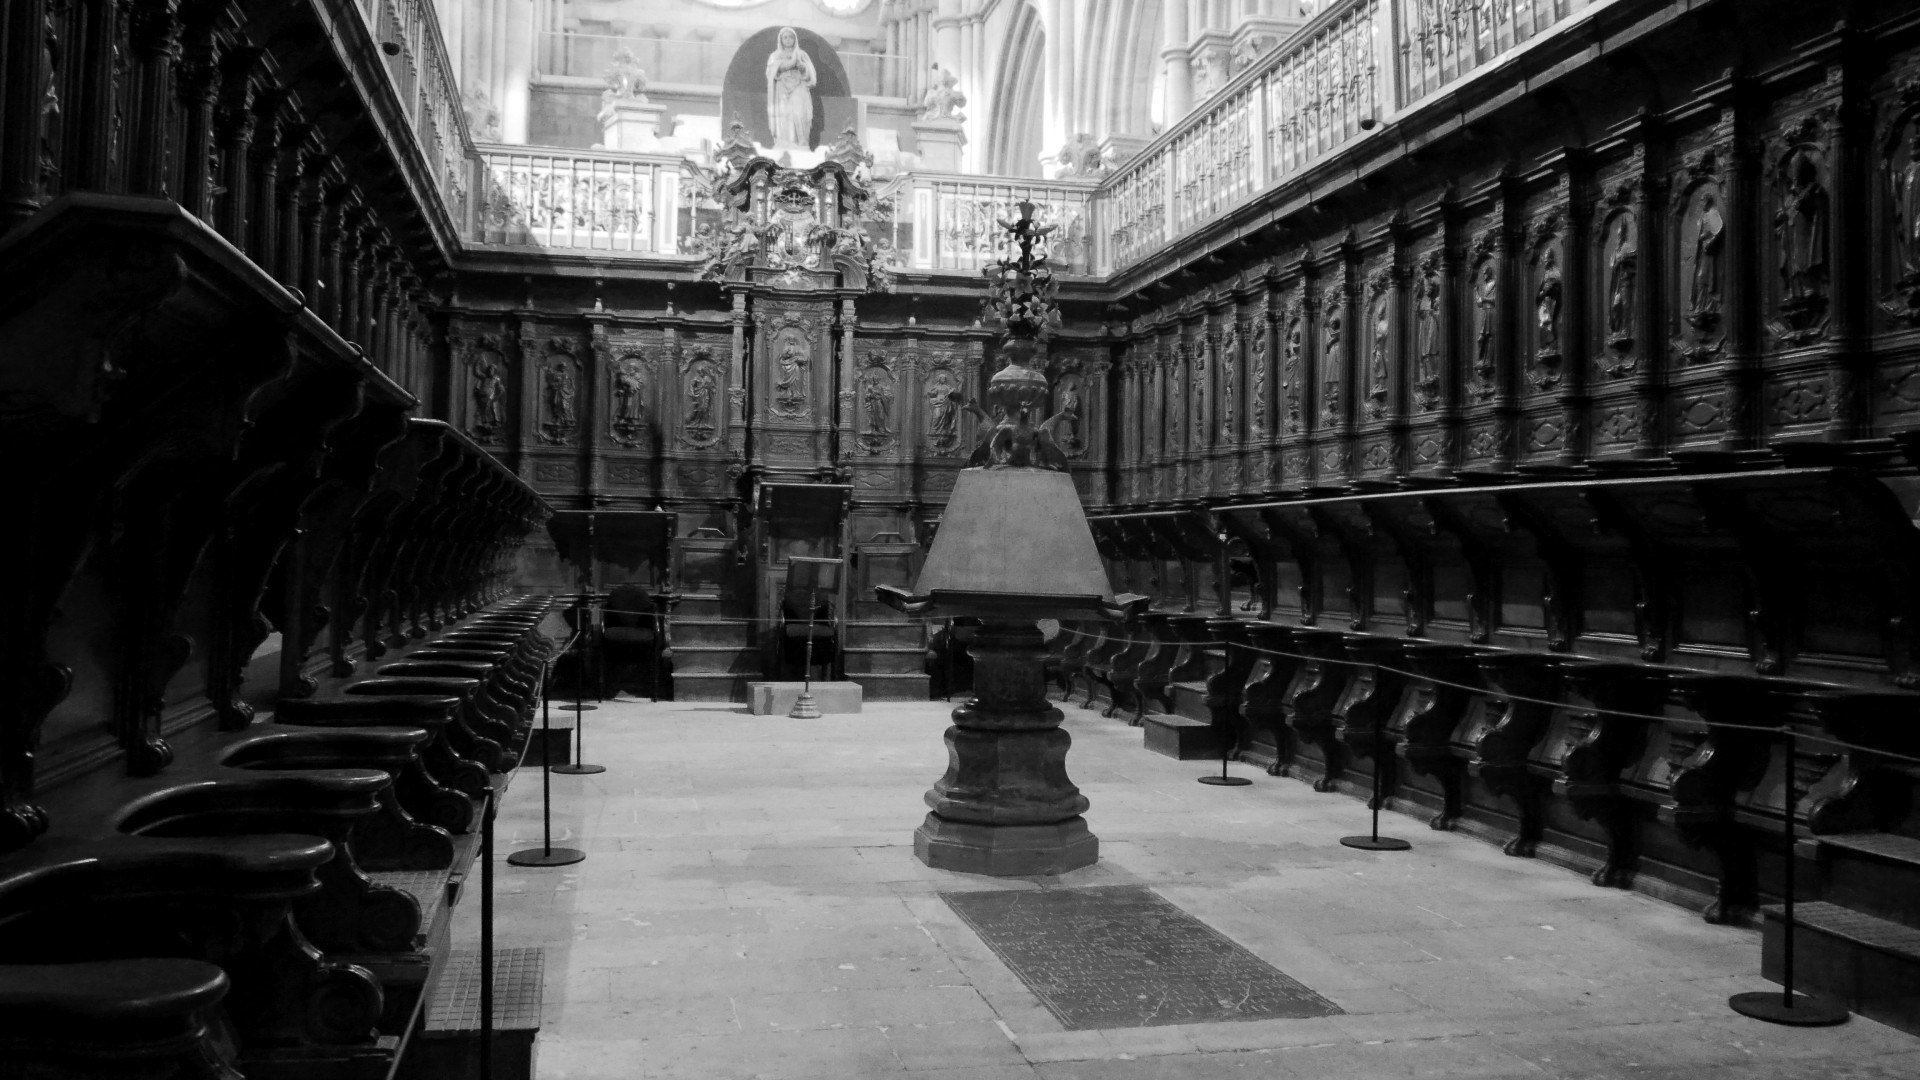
(1013, 143)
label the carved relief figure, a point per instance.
(1229, 380)
(1486, 298)
(1623, 270)
(942, 412)
(558, 385)
(1546, 307)
(1333, 363)
(1426, 339)
(1257, 396)
(627, 397)
(1290, 370)
(1066, 409)
(1709, 229)
(1199, 425)
(790, 80)
(1377, 370)
(1802, 228)
(879, 401)
(488, 391)
(1903, 210)
(790, 395)
(701, 389)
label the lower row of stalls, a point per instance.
(622, 566)
(1602, 672)
(1161, 669)
(261, 672)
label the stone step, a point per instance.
(698, 606)
(693, 632)
(891, 687)
(884, 661)
(1876, 873)
(448, 1044)
(1180, 737)
(711, 659)
(560, 723)
(874, 634)
(712, 686)
(1869, 964)
(1190, 701)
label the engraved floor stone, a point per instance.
(1122, 956)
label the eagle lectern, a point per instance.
(1013, 548)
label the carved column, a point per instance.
(156, 47)
(92, 127)
(1516, 305)
(1452, 335)
(1739, 162)
(845, 380)
(263, 219)
(293, 190)
(234, 124)
(346, 305)
(198, 85)
(1850, 245)
(24, 104)
(1576, 340)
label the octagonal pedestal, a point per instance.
(1005, 807)
(1005, 850)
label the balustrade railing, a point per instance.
(952, 222)
(422, 76)
(579, 55)
(1442, 40)
(579, 201)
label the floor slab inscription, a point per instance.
(1122, 956)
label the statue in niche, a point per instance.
(1426, 340)
(1546, 308)
(1290, 371)
(790, 81)
(942, 412)
(1257, 396)
(1802, 228)
(1332, 361)
(627, 402)
(879, 402)
(1066, 411)
(943, 98)
(1229, 379)
(1486, 299)
(1623, 272)
(488, 391)
(1199, 425)
(1703, 291)
(1377, 368)
(790, 389)
(558, 383)
(701, 389)
(1903, 204)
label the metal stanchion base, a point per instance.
(1225, 781)
(1804, 1012)
(588, 707)
(560, 856)
(579, 770)
(1375, 843)
(804, 707)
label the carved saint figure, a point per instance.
(1257, 396)
(1066, 407)
(626, 392)
(1709, 229)
(790, 390)
(700, 391)
(1333, 362)
(1802, 228)
(1486, 297)
(559, 384)
(1426, 335)
(1546, 306)
(1377, 353)
(1623, 271)
(790, 80)
(1290, 372)
(879, 403)
(1904, 190)
(488, 389)
(1229, 378)
(941, 411)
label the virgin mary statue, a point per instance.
(790, 79)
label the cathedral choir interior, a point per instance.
(1398, 519)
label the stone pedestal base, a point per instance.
(940, 142)
(632, 125)
(1005, 850)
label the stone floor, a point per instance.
(750, 907)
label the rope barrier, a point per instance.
(1725, 724)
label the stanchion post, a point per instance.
(1374, 841)
(547, 855)
(486, 935)
(1226, 742)
(580, 613)
(578, 766)
(1787, 1007)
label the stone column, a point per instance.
(197, 87)
(263, 215)
(515, 76)
(23, 108)
(1005, 806)
(1173, 59)
(155, 34)
(1057, 124)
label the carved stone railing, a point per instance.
(1441, 41)
(600, 200)
(954, 221)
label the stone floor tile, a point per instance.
(955, 1045)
